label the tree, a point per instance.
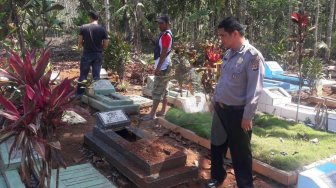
(329, 28)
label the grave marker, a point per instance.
(103, 87)
(141, 101)
(115, 120)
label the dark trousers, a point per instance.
(87, 61)
(240, 148)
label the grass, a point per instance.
(282, 144)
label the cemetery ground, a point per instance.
(66, 61)
(75, 153)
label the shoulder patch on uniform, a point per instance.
(253, 51)
(255, 63)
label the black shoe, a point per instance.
(213, 183)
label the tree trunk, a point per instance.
(329, 28)
(242, 11)
(107, 14)
(317, 14)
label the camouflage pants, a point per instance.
(160, 88)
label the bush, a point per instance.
(312, 71)
(116, 55)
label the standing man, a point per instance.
(235, 102)
(93, 37)
(162, 59)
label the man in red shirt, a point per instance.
(162, 59)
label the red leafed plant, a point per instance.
(34, 116)
(214, 55)
(301, 19)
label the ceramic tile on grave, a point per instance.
(115, 120)
(103, 87)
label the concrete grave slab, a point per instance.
(114, 120)
(174, 158)
(168, 178)
(13, 179)
(6, 162)
(81, 176)
(191, 104)
(103, 87)
(320, 176)
(101, 106)
(141, 101)
(72, 118)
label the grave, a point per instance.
(184, 99)
(6, 162)
(110, 102)
(141, 157)
(141, 101)
(114, 120)
(102, 96)
(103, 87)
(80, 176)
(318, 177)
(278, 102)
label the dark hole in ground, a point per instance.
(128, 135)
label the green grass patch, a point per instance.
(282, 144)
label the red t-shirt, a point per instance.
(165, 39)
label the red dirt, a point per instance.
(153, 151)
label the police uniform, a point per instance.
(235, 98)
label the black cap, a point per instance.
(162, 19)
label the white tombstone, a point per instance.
(323, 176)
(141, 101)
(103, 74)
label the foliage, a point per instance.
(33, 117)
(81, 19)
(282, 144)
(116, 55)
(312, 71)
(30, 21)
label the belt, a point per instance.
(231, 107)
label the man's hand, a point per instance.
(157, 72)
(246, 125)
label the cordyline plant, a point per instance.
(33, 118)
(301, 19)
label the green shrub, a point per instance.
(116, 55)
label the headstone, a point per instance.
(72, 118)
(103, 87)
(191, 103)
(103, 74)
(320, 176)
(141, 101)
(272, 68)
(115, 120)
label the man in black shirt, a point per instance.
(93, 37)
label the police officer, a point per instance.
(235, 102)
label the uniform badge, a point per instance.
(255, 64)
(240, 60)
